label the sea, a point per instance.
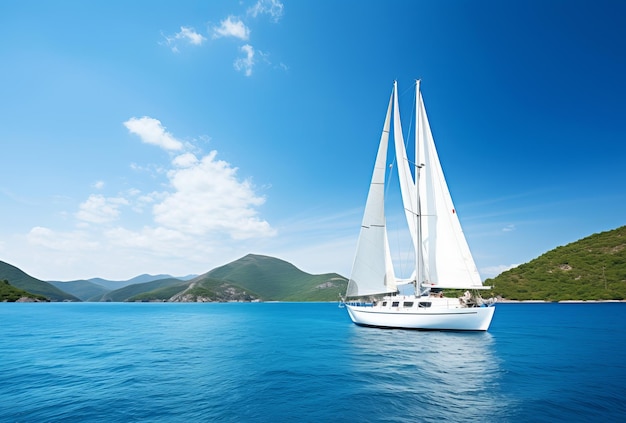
(306, 362)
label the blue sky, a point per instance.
(174, 137)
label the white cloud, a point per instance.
(232, 27)
(59, 255)
(152, 132)
(202, 215)
(186, 34)
(155, 239)
(133, 192)
(508, 228)
(245, 64)
(205, 195)
(59, 241)
(493, 271)
(185, 160)
(273, 8)
(204, 203)
(98, 184)
(189, 34)
(67, 255)
(208, 198)
(98, 209)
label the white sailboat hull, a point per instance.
(441, 315)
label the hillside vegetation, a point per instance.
(21, 280)
(208, 289)
(11, 294)
(130, 291)
(593, 268)
(277, 280)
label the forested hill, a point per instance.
(278, 280)
(593, 268)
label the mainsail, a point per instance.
(448, 262)
(372, 270)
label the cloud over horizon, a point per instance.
(204, 206)
(203, 196)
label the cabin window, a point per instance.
(408, 304)
(424, 304)
(395, 304)
(384, 303)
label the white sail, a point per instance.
(448, 262)
(372, 272)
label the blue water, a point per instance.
(294, 362)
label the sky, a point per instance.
(174, 137)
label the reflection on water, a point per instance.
(426, 376)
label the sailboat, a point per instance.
(442, 257)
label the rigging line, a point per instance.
(405, 91)
(387, 185)
(413, 105)
(408, 132)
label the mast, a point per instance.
(418, 215)
(407, 175)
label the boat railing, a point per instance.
(360, 303)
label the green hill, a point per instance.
(277, 280)
(11, 294)
(81, 289)
(21, 280)
(131, 291)
(211, 290)
(110, 285)
(593, 268)
(251, 278)
(160, 294)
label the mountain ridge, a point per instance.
(250, 278)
